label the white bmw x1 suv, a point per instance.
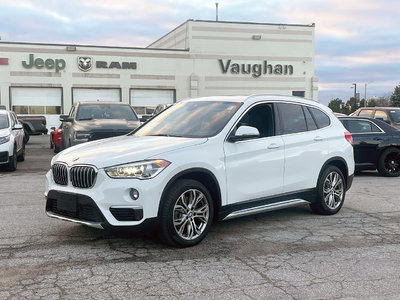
(206, 159)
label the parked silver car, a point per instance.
(12, 147)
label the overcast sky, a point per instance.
(356, 41)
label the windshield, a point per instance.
(191, 119)
(3, 121)
(395, 115)
(105, 111)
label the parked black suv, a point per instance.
(390, 115)
(89, 121)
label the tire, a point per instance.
(176, 206)
(330, 199)
(21, 156)
(56, 149)
(389, 162)
(62, 144)
(12, 162)
(26, 136)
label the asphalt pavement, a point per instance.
(287, 254)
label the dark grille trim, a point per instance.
(127, 214)
(60, 173)
(83, 176)
(86, 209)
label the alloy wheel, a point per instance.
(191, 214)
(333, 190)
(392, 162)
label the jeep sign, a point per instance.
(39, 63)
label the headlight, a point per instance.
(82, 135)
(141, 170)
(4, 139)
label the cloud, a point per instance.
(355, 41)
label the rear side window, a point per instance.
(365, 113)
(320, 117)
(292, 118)
(381, 115)
(309, 119)
(360, 126)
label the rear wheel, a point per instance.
(331, 191)
(389, 163)
(186, 213)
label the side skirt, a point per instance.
(268, 204)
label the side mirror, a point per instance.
(244, 133)
(53, 128)
(18, 127)
(65, 118)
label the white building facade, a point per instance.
(198, 58)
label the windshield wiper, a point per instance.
(85, 119)
(168, 135)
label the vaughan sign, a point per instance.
(256, 70)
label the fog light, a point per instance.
(134, 193)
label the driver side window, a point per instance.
(260, 117)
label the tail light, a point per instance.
(348, 137)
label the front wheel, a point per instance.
(331, 190)
(12, 161)
(21, 156)
(389, 163)
(186, 213)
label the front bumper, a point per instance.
(82, 209)
(107, 203)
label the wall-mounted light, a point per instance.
(256, 37)
(71, 48)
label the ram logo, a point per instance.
(84, 63)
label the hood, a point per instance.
(106, 124)
(5, 131)
(123, 149)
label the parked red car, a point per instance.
(55, 139)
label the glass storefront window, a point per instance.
(36, 110)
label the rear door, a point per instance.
(366, 137)
(306, 146)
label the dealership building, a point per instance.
(198, 58)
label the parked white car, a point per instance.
(12, 147)
(206, 159)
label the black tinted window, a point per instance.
(360, 126)
(309, 119)
(320, 117)
(292, 118)
(105, 111)
(3, 121)
(260, 117)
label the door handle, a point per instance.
(318, 138)
(273, 146)
(378, 139)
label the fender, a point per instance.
(216, 193)
(347, 177)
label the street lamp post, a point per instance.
(365, 95)
(355, 94)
